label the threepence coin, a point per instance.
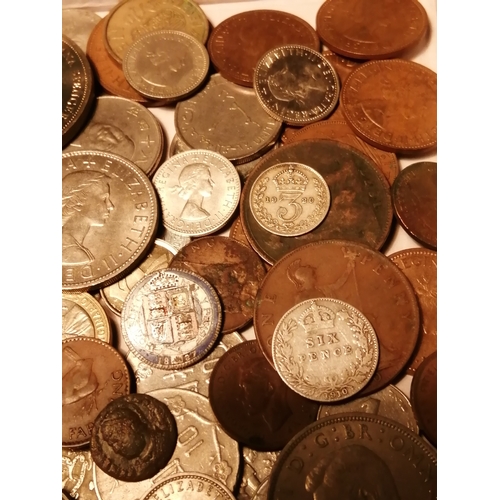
(171, 319)
(289, 199)
(77, 24)
(296, 84)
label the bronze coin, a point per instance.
(236, 232)
(360, 208)
(133, 437)
(237, 43)
(251, 402)
(423, 397)
(392, 104)
(414, 198)
(364, 29)
(234, 270)
(355, 274)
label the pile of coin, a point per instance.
(269, 213)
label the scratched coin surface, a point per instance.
(77, 24)
(93, 374)
(77, 479)
(257, 466)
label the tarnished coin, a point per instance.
(177, 146)
(257, 466)
(171, 319)
(77, 24)
(414, 197)
(246, 168)
(83, 316)
(123, 127)
(93, 374)
(166, 65)
(325, 349)
(172, 238)
(261, 493)
(77, 89)
(199, 191)
(133, 437)
(289, 199)
(355, 456)
(77, 479)
(109, 218)
(296, 84)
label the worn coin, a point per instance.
(177, 146)
(172, 238)
(77, 479)
(257, 466)
(236, 232)
(246, 168)
(261, 493)
(77, 24)
(343, 66)
(93, 374)
(414, 198)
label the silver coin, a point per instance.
(77, 24)
(257, 466)
(177, 146)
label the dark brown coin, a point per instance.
(423, 397)
(133, 437)
(355, 456)
(234, 270)
(419, 265)
(252, 403)
(414, 198)
(355, 274)
(360, 208)
(237, 43)
(364, 29)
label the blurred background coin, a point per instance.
(77, 24)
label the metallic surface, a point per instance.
(343, 66)
(77, 24)
(77, 479)
(257, 466)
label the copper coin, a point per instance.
(236, 232)
(414, 198)
(423, 397)
(133, 437)
(251, 402)
(231, 268)
(360, 208)
(93, 374)
(419, 265)
(237, 43)
(355, 274)
(392, 104)
(364, 29)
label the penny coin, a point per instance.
(77, 24)
(251, 402)
(236, 232)
(83, 316)
(392, 105)
(360, 208)
(235, 58)
(109, 218)
(289, 199)
(123, 127)
(371, 30)
(296, 84)
(257, 466)
(77, 474)
(93, 374)
(77, 89)
(199, 191)
(355, 456)
(354, 273)
(423, 397)
(232, 269)
(414, 198)
(133, 437)
(166, 65)
(171, 319)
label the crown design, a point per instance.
(291, 179)
(164, 281)
(317, 318)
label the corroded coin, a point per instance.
(109, 218)
(296, 84)
(133, 437)
(199, 192)
(77, 479)
(325, 349)
(171, 319)
(93, 374)
(77, 24)
(414, 197)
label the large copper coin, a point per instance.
(232, 269)
(355, 455)
(355, 274)
(237, 43)
(363, 29)
(392, 105)
(414, 198)
(360, 208)
(423, 397)
(251, 402)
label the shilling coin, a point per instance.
(289, 199)
(171, 319)
(296, 84)
(199, 192)
(325, 349)
(109, 218)
(77, 479)
(166, 65)
(77, 24)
